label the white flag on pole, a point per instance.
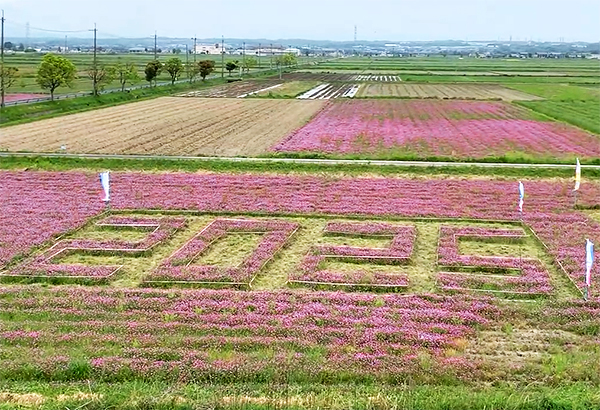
(577, 175)
(589, 262)
(521, 196)
(105, 181)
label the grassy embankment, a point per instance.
(216, 165)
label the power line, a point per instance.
(56, 31)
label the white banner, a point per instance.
(105, 181)
(589, 261)
(521, 196)
(577, 175)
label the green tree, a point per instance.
(230, 66)
(101, 76)
(152, 71)
(289, 60)
(174, 67)
(8, 76)
(205, 68)
(248, 63)
(55, 71)
(126, 73)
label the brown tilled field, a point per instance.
(167, 126)
(234, 90)
(450, 91)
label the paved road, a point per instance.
(301, 161)
(84, 94)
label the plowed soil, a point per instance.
(167, 126)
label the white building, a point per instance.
(209, 49)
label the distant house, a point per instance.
(137, 50)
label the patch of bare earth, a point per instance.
(518, 346)
(167, 126)
(27, 400)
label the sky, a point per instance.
(393, 20)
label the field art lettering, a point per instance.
(496, 274)
(46, 266)
(179, 267)
(399, 252)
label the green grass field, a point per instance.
(452, 63)
(579, 106)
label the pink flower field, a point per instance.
(37, 206)
(117, 333)
(450, 129)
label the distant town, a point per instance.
(264, 47)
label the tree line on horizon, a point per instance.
(57, 71)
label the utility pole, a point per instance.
(194, 50)
(271, 66)
(3, 72)
(259, 55)
(66, 43)
(244, 57)
(222, 56)
(155, 46)
(95, 79)
(187, 62)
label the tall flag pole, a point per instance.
(589, 262)
(105, 181)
